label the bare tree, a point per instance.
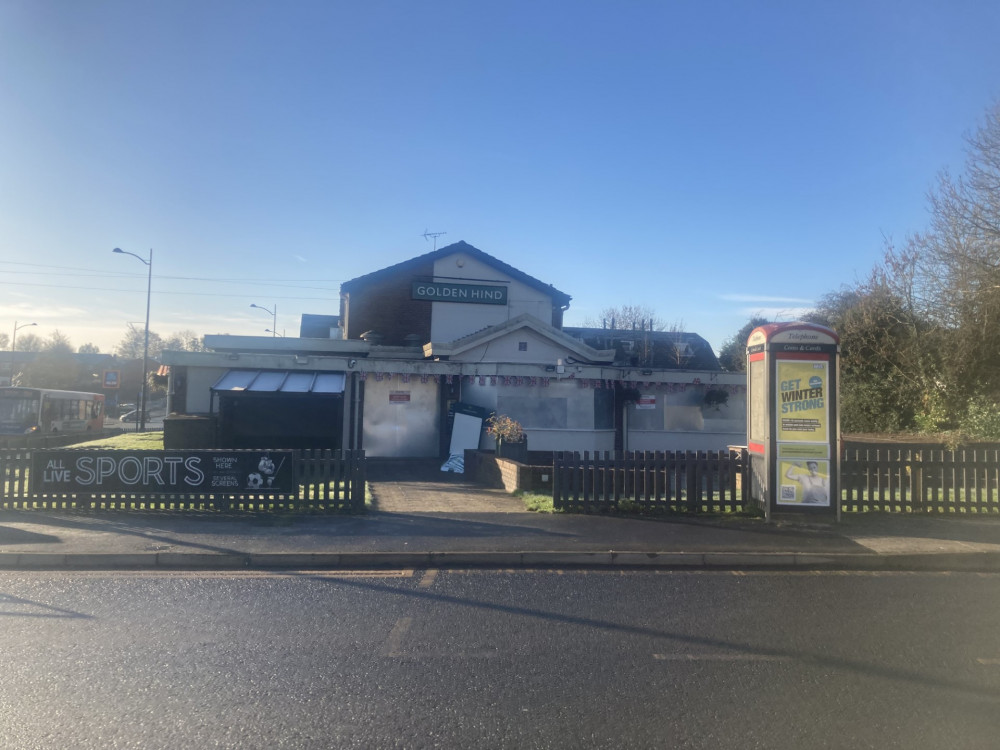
(185, 341)
(627, 318)
(57, 342)
(29, 342)
(133, 344)
(956, 265)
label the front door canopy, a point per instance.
(280, 381)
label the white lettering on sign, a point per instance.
(132, 470)
(460, 293)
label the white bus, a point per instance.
(31, 411)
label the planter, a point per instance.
(513, 451)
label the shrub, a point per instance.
(504, 429)
(981, 419)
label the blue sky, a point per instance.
(707, 159)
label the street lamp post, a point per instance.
(145, 348)
(13, 345)
(274, 318)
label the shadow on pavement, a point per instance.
(20, 536)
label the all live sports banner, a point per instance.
(152, 472)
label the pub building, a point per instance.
(454, 331)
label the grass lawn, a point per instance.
(128, 441)
(535, 503)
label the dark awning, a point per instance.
(280, 381)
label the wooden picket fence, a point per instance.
(327, 480)
(907, 479)
(893, 479)
(653, 481)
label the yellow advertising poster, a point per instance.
(804, 482)
(803, 401)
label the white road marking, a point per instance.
(428, 579)
(720, 657)
(394, 642)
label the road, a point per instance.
(492, 659)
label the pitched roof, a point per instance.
(485, 335)
(560, 298)
(660, 349)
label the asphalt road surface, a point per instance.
(493, 659)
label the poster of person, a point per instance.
(804, 482)
(803, 401)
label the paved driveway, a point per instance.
(419, 486)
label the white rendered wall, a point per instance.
(507, 349)
(199, 388)
(453, 320)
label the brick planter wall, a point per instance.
(485, 467)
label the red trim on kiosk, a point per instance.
(802, 355)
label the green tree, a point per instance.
(733, 354)
(889, 361)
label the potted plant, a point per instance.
(511, 441)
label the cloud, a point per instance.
(777, 313)
(42, 314)
(299, 258)
(764, 299)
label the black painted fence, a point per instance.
(325, 480)
(654, 481)
(892, 479)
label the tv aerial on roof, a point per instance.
(432, 235)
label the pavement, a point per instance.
(435, 521)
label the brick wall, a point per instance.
(384, 305)
(485, 467)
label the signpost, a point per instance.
(793, 422)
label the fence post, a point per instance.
(689, 481)
(557, 480)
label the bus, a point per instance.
(36, 411)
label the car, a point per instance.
(132, 416)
